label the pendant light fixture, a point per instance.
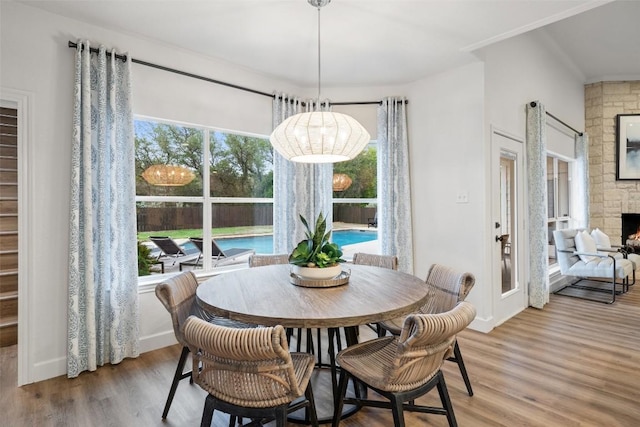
(341, 181)
(168, 175)
(319, 136)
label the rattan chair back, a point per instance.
(258, 260)
(177, 294)
(412, 359)
(425, 342)
(384, 261)
(446, 287)
(246, 367)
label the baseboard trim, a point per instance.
(482, 325)
(156, 341)
(57, 367)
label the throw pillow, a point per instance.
(601, 239)
(585, 243)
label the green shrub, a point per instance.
(145, 260)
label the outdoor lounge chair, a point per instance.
(168, 247)
(220, 257)
(373, 222)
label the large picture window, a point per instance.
(186, 188)
(196, 183)
(558, 199)
(355, 191)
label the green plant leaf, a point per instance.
(316, 249)
(306, 225)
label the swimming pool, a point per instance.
(264, 244)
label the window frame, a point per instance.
(206, 199)
(555, 222)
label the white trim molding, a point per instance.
(24, 103)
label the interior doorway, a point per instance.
(8, 226)
(15, 200)
(508, 208)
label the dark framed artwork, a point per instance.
(628, 146)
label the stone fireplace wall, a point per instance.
(609, 198)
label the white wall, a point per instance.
(524, 69)
(39, 62)
(448, 137)
(447, 152)
(36, 59)
(530, 68)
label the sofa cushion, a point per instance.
(585, 243)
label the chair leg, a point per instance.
(463, 370)
(398, 413)
(207, 414)
(446, 401)
(176, 379)
(339, 398)
(312, 415)
(281, 416)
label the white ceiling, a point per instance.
(361, 38)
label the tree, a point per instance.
(240, 166)
(363, 171)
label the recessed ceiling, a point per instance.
(364, 43)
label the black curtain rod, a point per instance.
(210, 80)
(533, 104)
(182, 73)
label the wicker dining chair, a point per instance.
(384, 261)
(177, 294)
(250, 372)
(260, 260)
(406, 367)
(446, 288)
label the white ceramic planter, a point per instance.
(316, 273)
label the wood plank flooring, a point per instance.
(575, 363)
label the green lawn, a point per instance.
(216, 232)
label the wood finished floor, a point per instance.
(575, 363)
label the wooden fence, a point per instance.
(225, 215)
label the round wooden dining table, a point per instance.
(267, 296)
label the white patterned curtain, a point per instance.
(103, 274)
(582, 176)
(394, 189)
(298, 188)
(537, 188)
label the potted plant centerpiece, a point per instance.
(316, 257)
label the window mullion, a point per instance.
(206, 206)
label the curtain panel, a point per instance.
(394, 186)
(298, 188)
(536, 138)
(582, 176)
(103, 325)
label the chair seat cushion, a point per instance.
(601, 268)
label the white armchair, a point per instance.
(603, 243)
(597, 272)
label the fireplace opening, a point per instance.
(631, 229)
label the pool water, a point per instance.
(264, 244)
